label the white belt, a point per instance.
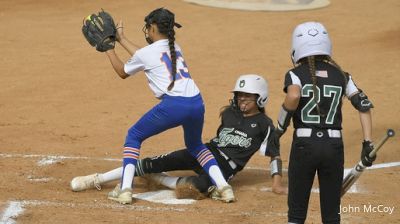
(306, 132)
(229, 160)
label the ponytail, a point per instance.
(171, 44)
(312, 69)
(165, 21)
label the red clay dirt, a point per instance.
(59, 96)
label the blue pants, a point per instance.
(169, 113)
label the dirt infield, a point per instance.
(60, 97)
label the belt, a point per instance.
(306, 132)
(229, 160)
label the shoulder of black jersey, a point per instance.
(229, 113)
(227, 110)
(265, 121)
(300, 69)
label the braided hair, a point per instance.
(311, 66)
(165, 21)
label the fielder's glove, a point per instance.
(100, 31)
(367, 148)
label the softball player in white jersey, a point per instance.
(181, 103)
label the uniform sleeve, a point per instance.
(291, 79)
(351, 87)
(264, 145)
(269, 146)
(134, 64)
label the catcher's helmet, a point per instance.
(254, 84)
(310, 38)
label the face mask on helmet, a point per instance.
(253, 84)
(308, 39)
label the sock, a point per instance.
(127, 176)
(139, 168)
(131, 156)
(111, 175)
(210, 165)
(215, 173)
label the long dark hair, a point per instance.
(165, 21)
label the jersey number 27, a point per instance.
(329, 91)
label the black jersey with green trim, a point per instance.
(240, 137)
(330, 88)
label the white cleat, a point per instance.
(121, 196)
(85, 182)
(224, 194)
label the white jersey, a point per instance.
(155, 61)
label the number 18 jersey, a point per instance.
(155, 61)
(331, 86)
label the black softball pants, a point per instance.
(309, 155)
(183, 160)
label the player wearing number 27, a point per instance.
(181, 103)
(314, 91)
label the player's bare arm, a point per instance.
(117, 64)
(366, 124)
(292, 97)
(125, 43)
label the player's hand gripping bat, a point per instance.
(356, 172)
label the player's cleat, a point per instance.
(121, 196)
(86, 182)
(224, 194)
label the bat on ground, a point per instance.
(356, 172)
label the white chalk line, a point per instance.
(383, 165)
(16, 208)
(40, 179)
(50, 159)
(13, 210)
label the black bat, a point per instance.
(356, 172)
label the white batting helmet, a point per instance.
(310, 38)
(254, 84)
